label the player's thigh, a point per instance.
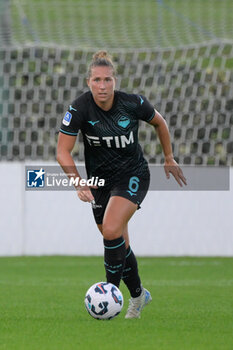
(125, 234)
(117, 214)
(101, 197)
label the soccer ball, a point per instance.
(103, 301)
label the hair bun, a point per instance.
(100, 55)
(101, 59)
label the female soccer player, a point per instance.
(108, 120)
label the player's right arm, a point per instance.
(65, 146)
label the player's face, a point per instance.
(102, 85)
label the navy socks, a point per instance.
(121, 264)
(114, 259)
(130, 274)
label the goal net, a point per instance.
(176, 52)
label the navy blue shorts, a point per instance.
(133, 188)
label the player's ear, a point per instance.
(88, 82)
(115, 81)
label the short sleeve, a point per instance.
(71, 122)
(145, 109)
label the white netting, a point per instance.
(191, 87)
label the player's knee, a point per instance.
(111, 231)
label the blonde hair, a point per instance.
(101, 59)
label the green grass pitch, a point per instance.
(42, 305)
(120, 23)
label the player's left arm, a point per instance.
(170, 165)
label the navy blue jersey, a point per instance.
(110, 137)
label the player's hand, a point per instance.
(172, 167)
(84, 193)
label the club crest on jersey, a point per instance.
(67, 118)
(123, 122)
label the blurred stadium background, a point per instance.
(176, 52)
(179, 53)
